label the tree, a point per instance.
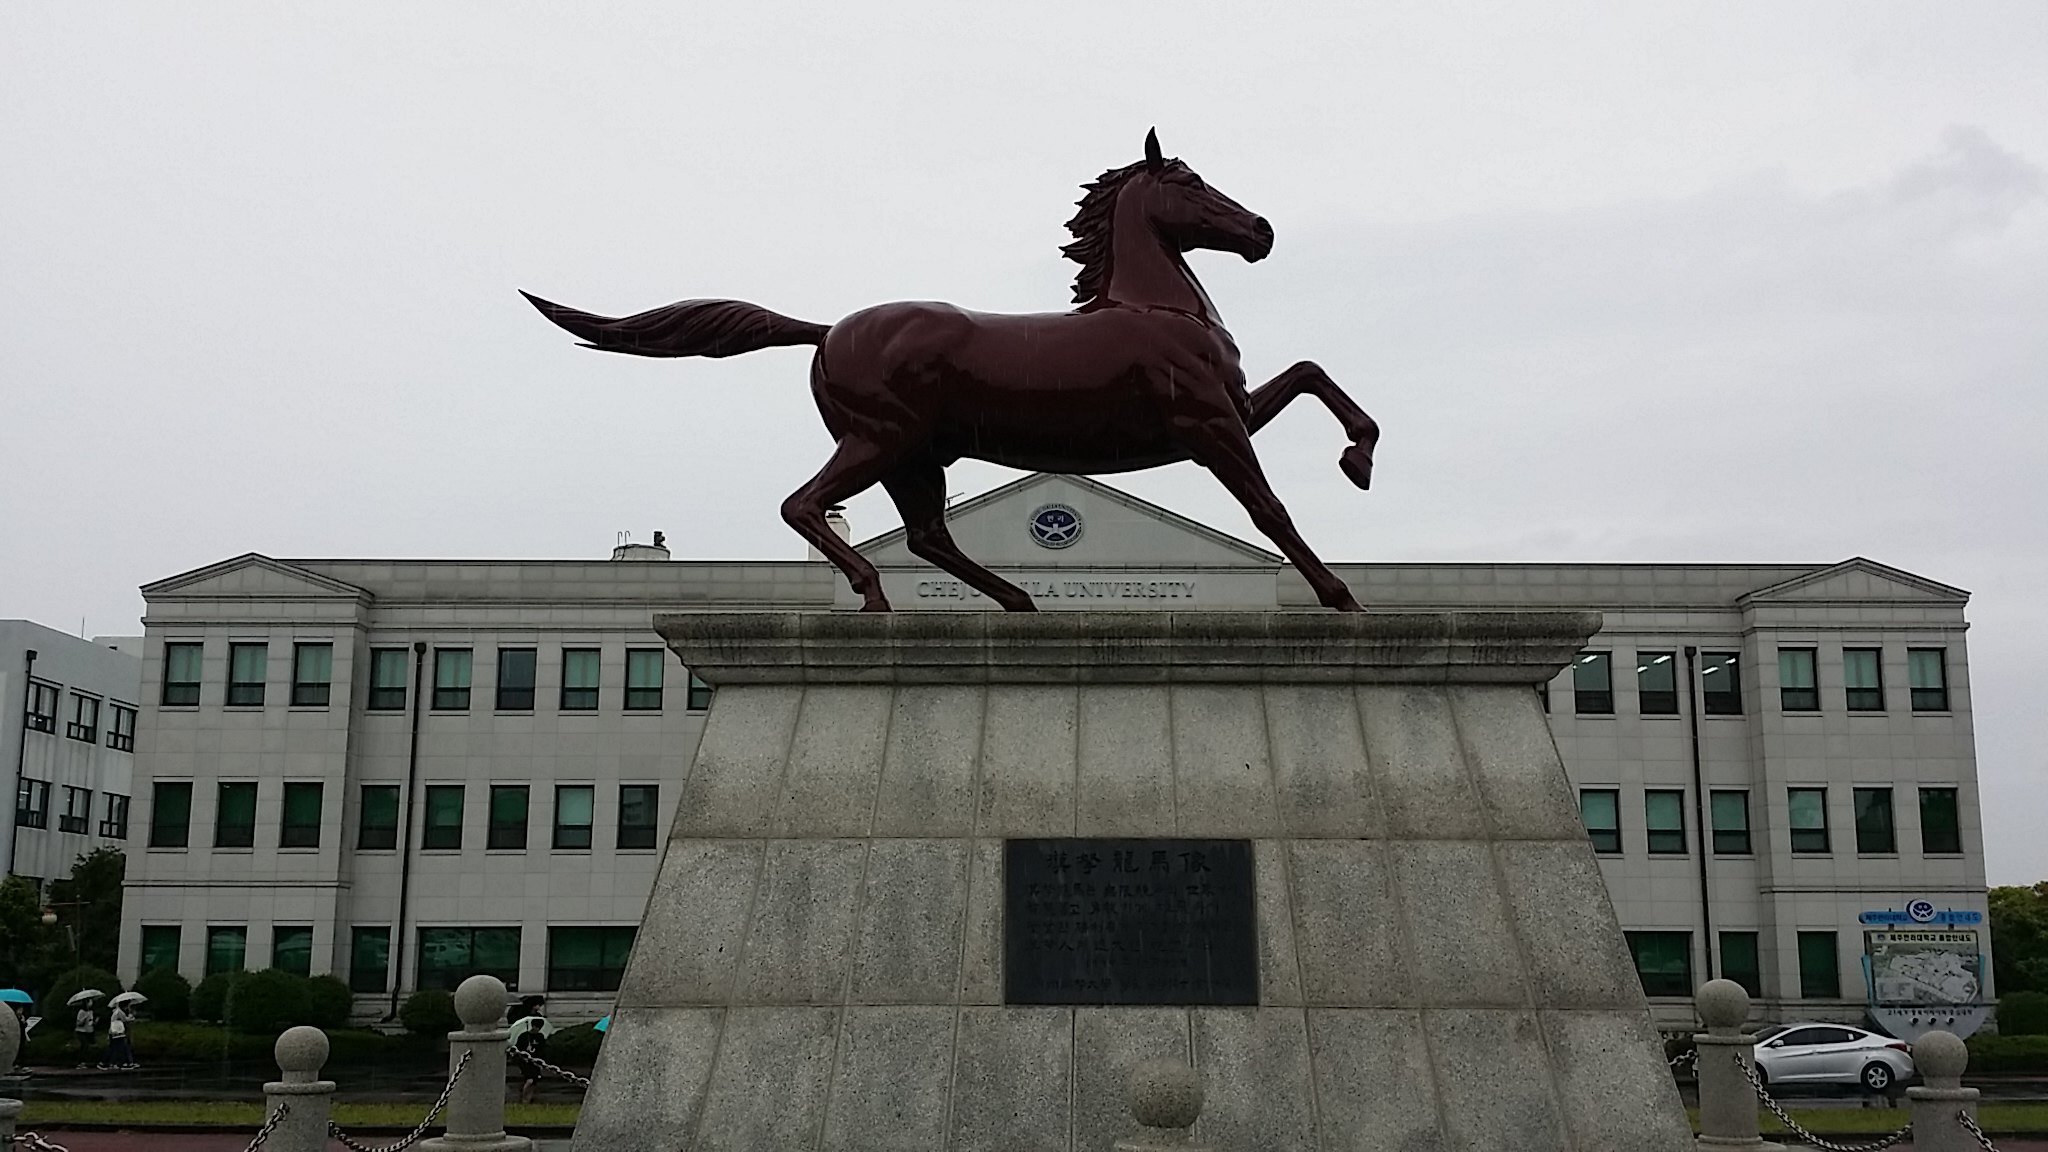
(88, 903)
(2019, 938)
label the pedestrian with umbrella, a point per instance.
(120, 1049)
(19, 1003)
(87, 1021)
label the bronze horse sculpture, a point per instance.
(1142, 373)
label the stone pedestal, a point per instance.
(1438, 963)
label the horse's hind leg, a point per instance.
(1224, 447)
(919, 489)
(1308, 377)
(854, 467)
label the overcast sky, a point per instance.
(1716, 282)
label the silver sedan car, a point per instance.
(1832, 1054)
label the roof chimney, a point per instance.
(627, 550)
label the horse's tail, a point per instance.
(685, 328)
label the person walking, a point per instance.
(82, 1028)
(120, 1050)
(533, 1044)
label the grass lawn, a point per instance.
(1991, 1117)
(249, 1113)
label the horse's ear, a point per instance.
(1154, 162)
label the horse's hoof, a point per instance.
(1357, 465)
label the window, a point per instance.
(1730, 812)
(85, 719)
(1663, 962)
(515, 679)
(579, 679)
(42, 707)
(573, 815)
(121, 729)
(301, 825)
(1874, 833)
(1720, 684)
(1593, 684)
(1740, 962)
(643, 679)
(1927, 675)
(1808, 814)
(291, 949)
(444, 817)
(1798, 691)
(588, 959)
(170, 813)
(312, 674)
(227, 949)
(700, 694)
(1863, 679)
(369, 959)
(248, 665)
(448, 956)
(32, 804)
(1664, 818)
(1820, 977)
(181, 675)
(234, 823)
(387, 680)
(451, 679)
(1941, 826)
(637, 806)
(377, 827)
(77, 815)
(114, 826)
(508, 817)
(159, 947)
(1600, 808)
(1657, 683)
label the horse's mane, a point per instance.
(1091, 225)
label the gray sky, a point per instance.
(1755, 282)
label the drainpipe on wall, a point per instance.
(412, 772)
(1699, 804)
(28, 685)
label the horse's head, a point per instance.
(1189, 214)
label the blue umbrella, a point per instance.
(15, 996)
(604, 1025)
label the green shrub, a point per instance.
(210, 998)
(430, 1012)
(575, 1047)
(267, 1002)
(58, 1014)
(2008, 1056)
(2023, 1014)
(328, 1002)
(170, 997)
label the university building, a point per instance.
(68, 714)
(406, 771)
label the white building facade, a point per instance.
(402, 772)
(69, 709)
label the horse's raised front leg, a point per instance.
(1222, 445)
(1309, 377)
(855, 466)
(919, 489)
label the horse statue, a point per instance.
(1141, 373)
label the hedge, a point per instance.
(430, 1012)
(170, 997)
(2008, 1056)
(188, 1043)
(2023, 1014)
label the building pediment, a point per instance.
(252, 576)
(1047, 520)
(1856, 579)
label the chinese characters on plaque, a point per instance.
(1129, 922)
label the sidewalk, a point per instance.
(231, 1142)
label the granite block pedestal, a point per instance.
(1438, 965)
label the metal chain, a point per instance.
(284, 1108)
(414, 1136)
(35, 1143)
(1690, 1058)
(532, 1061)
(1969, 1124)
(1799, 1130)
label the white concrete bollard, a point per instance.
(1727, 1101)
(1940, 1058)
(10, 1047)
(476, 1109)
(305, 1098)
